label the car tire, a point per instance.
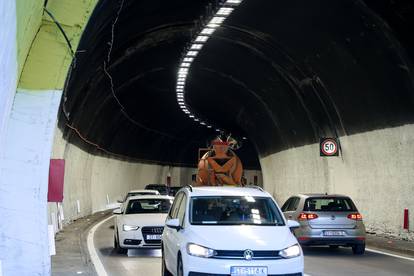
(358, 249)
(118, 248)
(180, 269)
(164, 270)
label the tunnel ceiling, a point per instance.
(281, 73)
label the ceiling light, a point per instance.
(191, 116)
(180, 82)
(213, 25)
(208, 31)
(225, 11)
(195, 119)
(188, 59)
(196, 46)
(180, 90)
(182, 75)
(237, 2)
(181, 104)
(180, 86)
(183, 70)
(181, 79)
(217, 20)
(209, 126)
(201, 38)
(185, 64)
(180, 94)
(192, 53)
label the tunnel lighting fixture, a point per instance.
(196, 46)
(225, 11)
(192, 53)
(208, 31)
(188, 59)
(201, 38)
(215, 21)
(234, 2)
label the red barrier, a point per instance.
(406, 225)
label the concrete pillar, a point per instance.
(24, 167)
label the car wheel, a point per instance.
(334, 246)
(180, 270)
(358, 249)
(164, 270)
(118, 248)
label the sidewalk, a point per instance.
(72, 257)
(390, 245)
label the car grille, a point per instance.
(239, 254)
(151, 231)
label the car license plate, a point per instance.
(333, 233)
(248, 270)
(153, 237)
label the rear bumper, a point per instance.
(331, 241)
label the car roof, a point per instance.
(322, 195)
(143, 191)
(228, 191)
(150, 197)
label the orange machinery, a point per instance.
(220, 166)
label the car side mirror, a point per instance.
(173, 223)
(292, 224)
(117, 211)
(120, 201)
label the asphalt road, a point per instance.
(319, 261)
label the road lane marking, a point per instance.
(389, 254)
(96, 261)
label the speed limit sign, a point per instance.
(329, 147)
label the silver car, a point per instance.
(326, 220)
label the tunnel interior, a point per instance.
(277, 75)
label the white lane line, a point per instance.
(389, 254)
(100, 270)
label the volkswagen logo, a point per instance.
(248, 254)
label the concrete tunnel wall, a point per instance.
(93, 180)
(376, 170)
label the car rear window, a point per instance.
(148, 206)
(329, 204)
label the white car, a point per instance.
(229, 231)
(140, 222)
(139, 193)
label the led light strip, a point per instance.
(226, 8)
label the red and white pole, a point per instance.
(406, 219)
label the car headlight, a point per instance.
(200, 251)
(290, 252)
(126, 227)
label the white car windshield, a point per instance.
(148, 206)
(234, 210)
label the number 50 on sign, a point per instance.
(329, 147)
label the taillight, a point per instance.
(356, 216)
(307, 216)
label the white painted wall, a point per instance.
(24, 167)
(8, 62)
(376, 170)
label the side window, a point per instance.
(181, 210)
(285, 206)
(294, 205)
(175, 206)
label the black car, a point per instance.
(162, 188)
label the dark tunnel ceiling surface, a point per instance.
(282, 73)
